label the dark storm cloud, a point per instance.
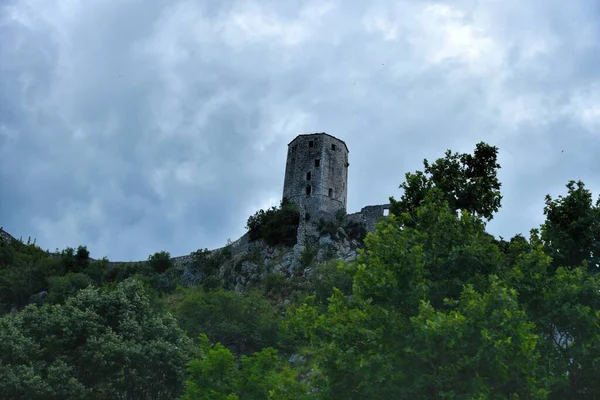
(134, 127)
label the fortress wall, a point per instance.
(372, 215)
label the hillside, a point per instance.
(423, 304)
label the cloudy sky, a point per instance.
(135, 126)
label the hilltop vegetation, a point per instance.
(433, 307)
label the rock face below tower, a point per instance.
(316, 174)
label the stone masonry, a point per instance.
(316, 174)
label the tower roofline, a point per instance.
(320, 133)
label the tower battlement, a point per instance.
(316, 174)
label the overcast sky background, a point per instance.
(135, 126)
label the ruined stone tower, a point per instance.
(316, 174)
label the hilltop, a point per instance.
(425, 304)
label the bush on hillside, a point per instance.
(276, 226)
(356, 230)
(326, 277)
(244, 323)
(160, 261)
(62, 287)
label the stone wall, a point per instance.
(238, 248)
(369, 215)
(373, 214)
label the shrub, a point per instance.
(263, 375)
(276, 285)
(160, 262)
(98, 270)
(62, 287)
(276, 226)
(243, 322)
(307, 256)
(125, 270)
(207, 264)
(330, 251)
(356, 230)
(327, 276)
(329, 227)
(166, 282)
(74, 261)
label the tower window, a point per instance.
(308, 176)
(311, 143)
(308, 190)
(317, 163)
(333, 147)
(330, 192)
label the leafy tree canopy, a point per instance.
(571, 231)
(468, 182)
(100, 344)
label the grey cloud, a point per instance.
(134, 127)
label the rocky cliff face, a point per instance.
(260, 262)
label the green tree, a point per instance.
(325, 277)
(428, 317)
(98, 270)
(570, 321)
(63, 287)
(82, 258)
(74, 260)
(24, 271)
(160, 262)
(571, 231)
(564, 305)
(468, 182)
(216, 375)
(244, 323)
(100, 344)
(427, 254)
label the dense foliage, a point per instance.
(216, 374)
(99, 344)
(466, 181)
(244, 323)
(276, 226)
(433, 308)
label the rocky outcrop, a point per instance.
(5, 236)
(242, 270)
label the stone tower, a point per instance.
(316, 174)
